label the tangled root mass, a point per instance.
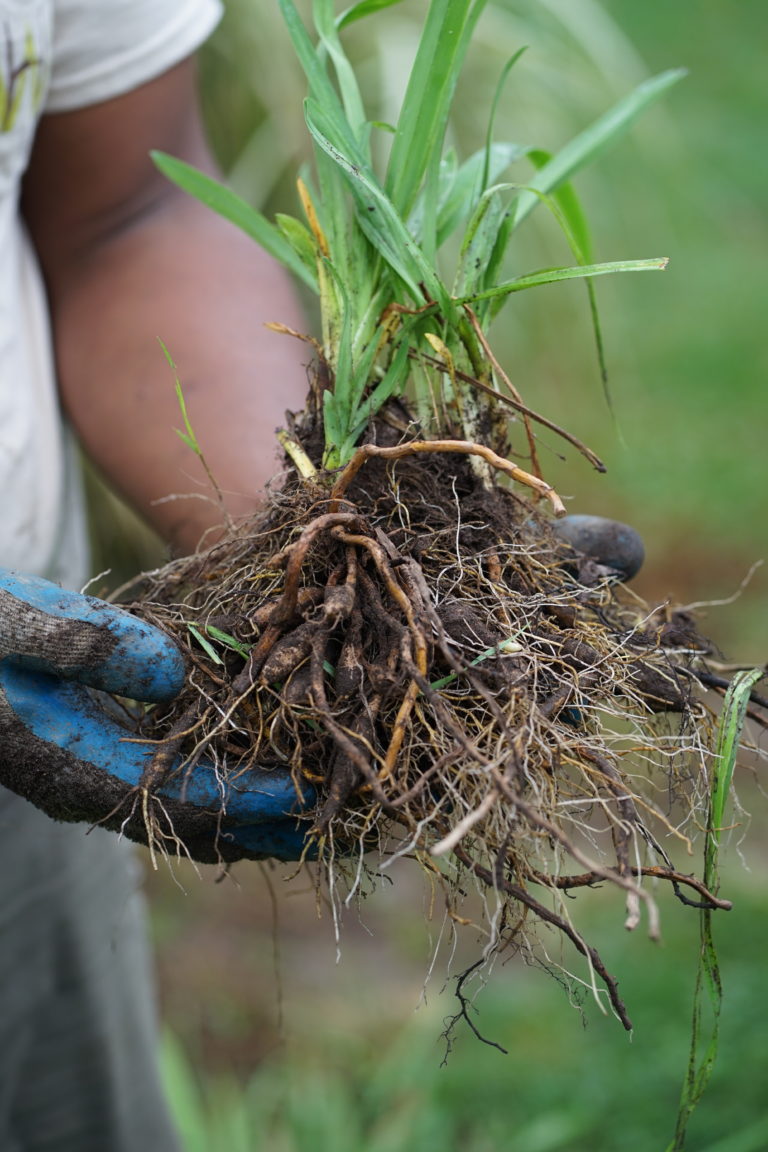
(457, 685)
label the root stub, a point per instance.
(418, 646)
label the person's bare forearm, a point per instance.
(129, 260)
(185, 277)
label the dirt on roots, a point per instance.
(456, 683)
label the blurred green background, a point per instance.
(348, 1063)
(343, 1062)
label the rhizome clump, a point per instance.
(455, 683)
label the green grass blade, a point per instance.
(363, 371)
(392, 383)
(342, 343)
(480, 239)
(430, 206)
(602, 363)
(446, 175)
(573, 220)
(300, 239)
(424, 114)
(553, 275)
(229, 641)
(206, 645)
(379, 219)
(492, 118)
(566, 209)
(569, 205)
(334, 435)
(586, 146)
(579, 237)
(460, 187)
(380, 237)
(468, 185)
(503, 647)
(364, 8)
(331, 205)
(188, 436)
(325, 23)
(708, 973)
(333, 210)
(320, 86)
(233, 208)
(728, 736)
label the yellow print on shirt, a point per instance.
(17, 76)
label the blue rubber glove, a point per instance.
(61, 748)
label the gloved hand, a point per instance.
(614, 547)
(62, 749)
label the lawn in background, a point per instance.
(354, 1068)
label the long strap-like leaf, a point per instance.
(584, 147)
(553, 275)
(424, 114)
(708, 973)
(229, 205)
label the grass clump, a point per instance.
(401, 627)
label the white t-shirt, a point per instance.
(56, 56)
